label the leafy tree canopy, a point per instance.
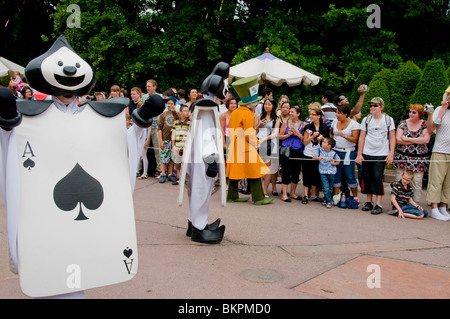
(178, 42)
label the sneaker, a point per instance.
(367, 206)
(436, 214)
(144, 176)
(443, 211)
(329, 205)
(305, 200)
(172, 178)
(162, 178)
(377, 210)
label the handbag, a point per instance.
(286, 150)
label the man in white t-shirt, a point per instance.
(438, 189)
(375, 149)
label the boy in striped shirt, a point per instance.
(402, 198)
(180, 131)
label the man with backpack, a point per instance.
(376, 149)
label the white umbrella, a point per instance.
(6, 65)
(269, 68)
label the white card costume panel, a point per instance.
(76, 222)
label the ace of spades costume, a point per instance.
(67, 177)
(203, 158)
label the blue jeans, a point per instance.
(327, 186)
(410, 209)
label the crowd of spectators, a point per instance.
(332, 150)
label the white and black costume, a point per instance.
(67, 177)
(203, 158)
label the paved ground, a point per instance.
(278, 251)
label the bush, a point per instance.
(378, 88)
(386, 75)
(365, 76)
(432, 84)
(403, 85)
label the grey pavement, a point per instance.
(277, 251)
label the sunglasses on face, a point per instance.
(374, 105)
(412, 112)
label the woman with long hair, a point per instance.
(267, 133)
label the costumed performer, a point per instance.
(203, 158)
(243, 160)
(67, 177)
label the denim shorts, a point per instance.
(349, 170)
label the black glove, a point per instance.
(212, 170)
(9, 116)
(152, 107)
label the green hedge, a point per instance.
(432, 84)
(404, 84)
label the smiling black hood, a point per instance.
(60, 71)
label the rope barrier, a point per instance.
(311, 159)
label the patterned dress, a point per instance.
(414, 157)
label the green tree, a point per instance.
(128, 42)
(386, 75)
(378, 88)
(112, 41)
(368, 70)
(432, 84)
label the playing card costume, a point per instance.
(67, 177)
(203, 158)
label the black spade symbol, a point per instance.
(29, 163)
(78, 187)
(127, 252)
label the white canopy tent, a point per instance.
(269, 68)
(6, 65)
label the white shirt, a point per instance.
(442, 141)
(341, 142)
(376, 142)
